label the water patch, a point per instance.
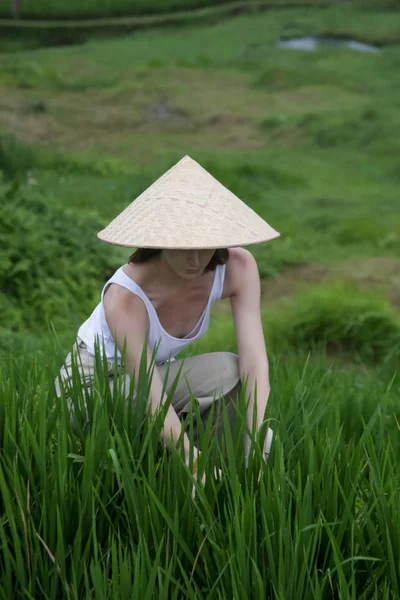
(163, 111)
(315, 42)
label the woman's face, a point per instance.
(188, 264)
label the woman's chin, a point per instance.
(192, 271)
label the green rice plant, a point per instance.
(99, 509)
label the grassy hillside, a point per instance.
(305, 138)
(66, 24)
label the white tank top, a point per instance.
(96, 327)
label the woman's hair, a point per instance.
(220, 257)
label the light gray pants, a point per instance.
(212, 377)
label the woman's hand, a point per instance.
(268, 443)
(194, 469)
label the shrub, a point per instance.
(15, 158)
(51, 265)
(336, 318)
(339, 318)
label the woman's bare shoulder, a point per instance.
(123, 308)
(241, 271)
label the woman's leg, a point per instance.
(85, 363)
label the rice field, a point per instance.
(102, 512)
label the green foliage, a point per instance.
(106, 8)
(106, 513)
(288, 77)
(337, 319)
(342, 320)
(330, 131)
(32, 75)
(51, 264)
(357, 230)
(45, 9)
(323, 163)
(15, 159)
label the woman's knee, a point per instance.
(229, 368)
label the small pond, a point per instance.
(316, 42)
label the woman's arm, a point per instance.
(244, 292)
(127, 319)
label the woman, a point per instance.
(183, 226)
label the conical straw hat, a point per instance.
(187, 208)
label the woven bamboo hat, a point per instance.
(187, 208)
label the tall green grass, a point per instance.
(106, 513)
